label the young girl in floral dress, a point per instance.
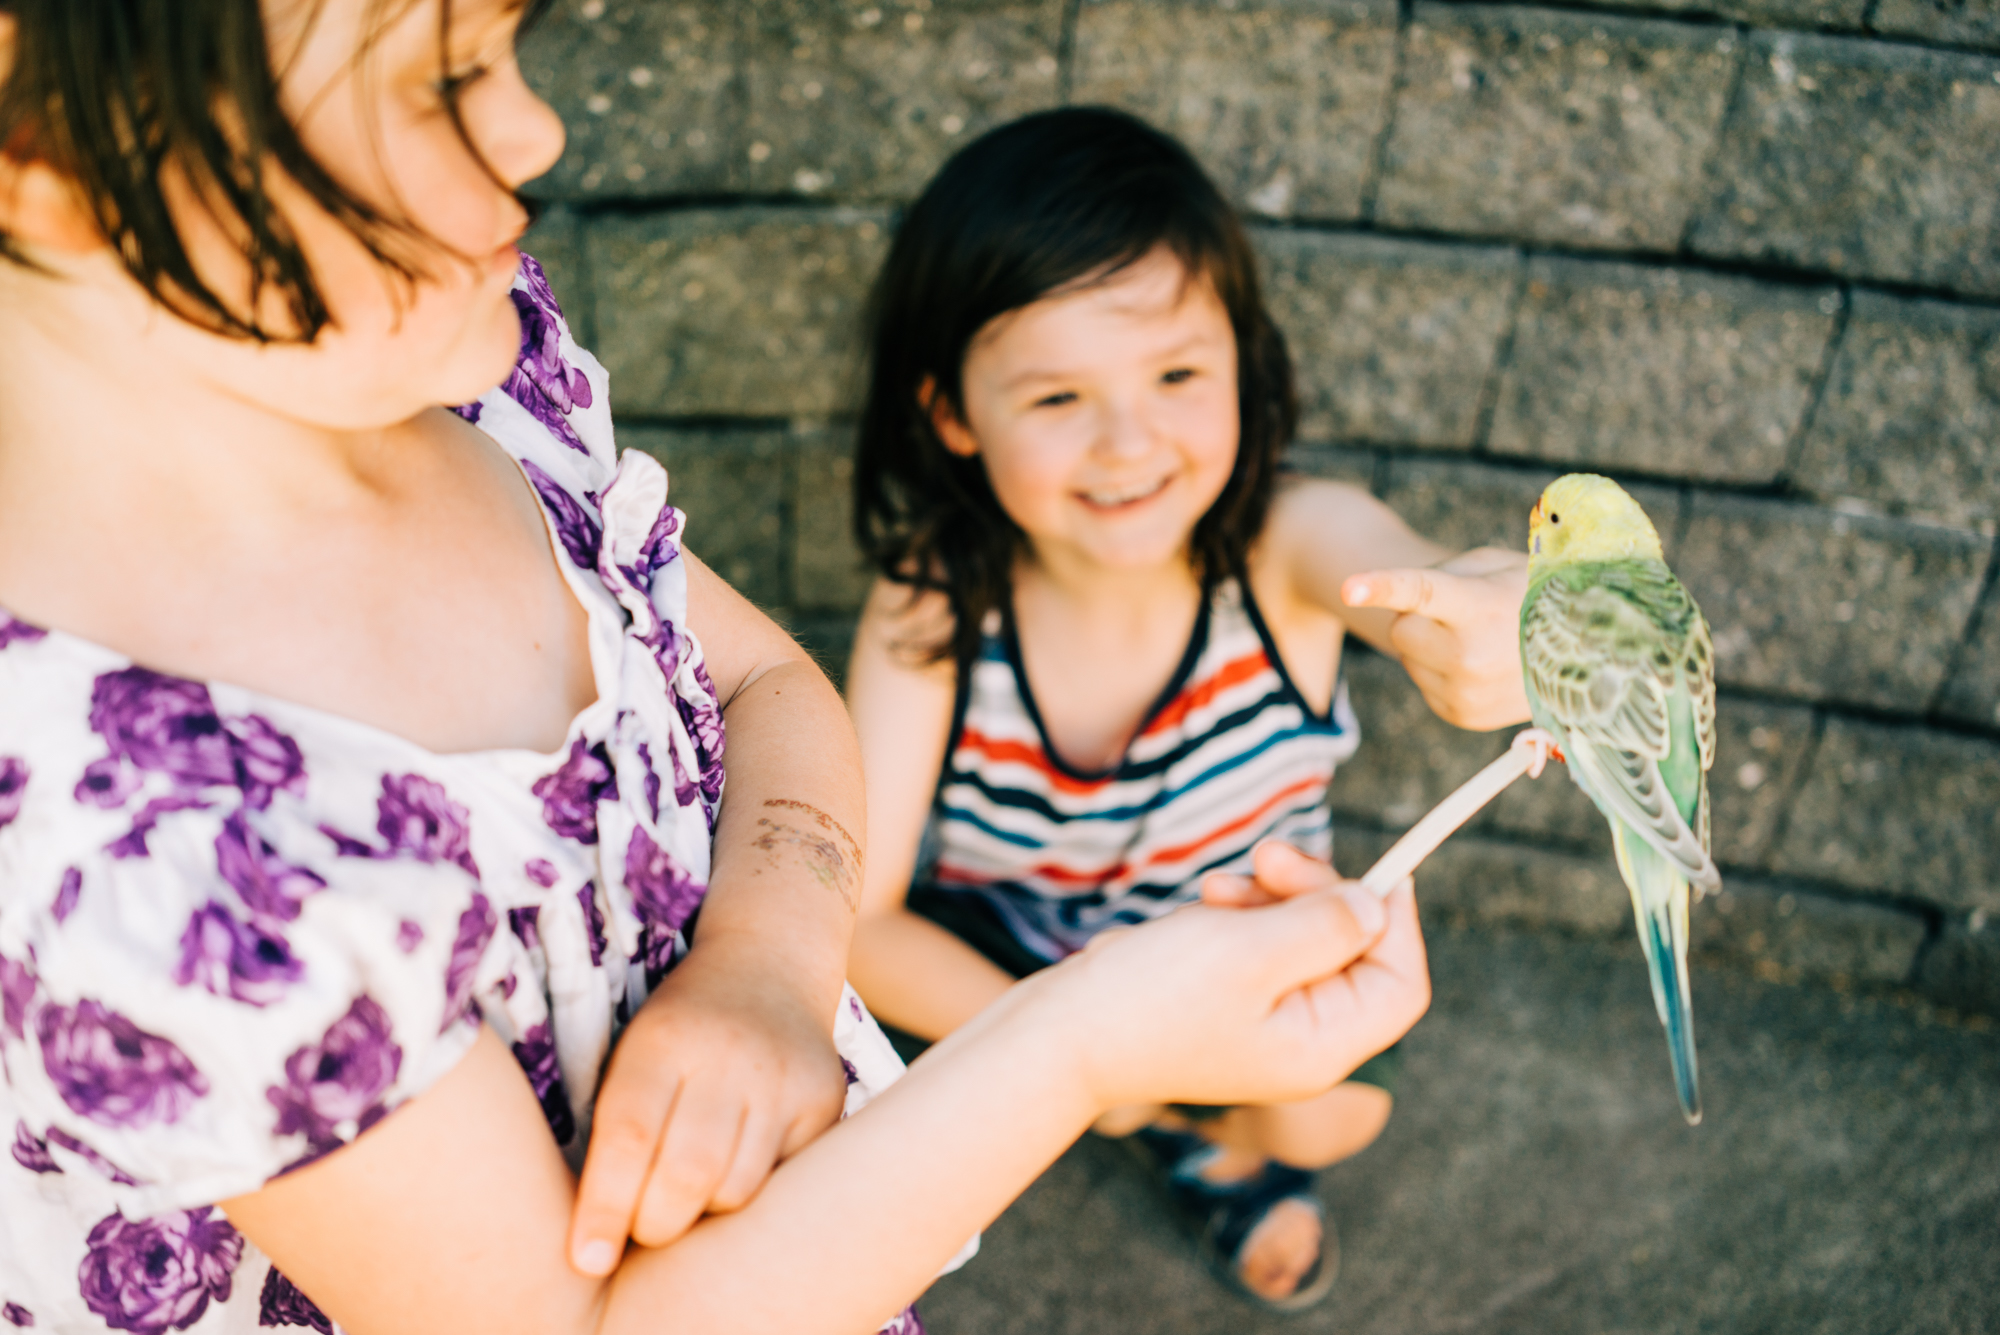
(371, 860)
(1102, 661)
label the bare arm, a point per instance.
(911, 972)
(730, 1065)
(449, 1216)
(1450, 620)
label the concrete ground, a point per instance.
(1537, 1176)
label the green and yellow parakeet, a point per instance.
(1621, 672)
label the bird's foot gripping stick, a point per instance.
(1531, 750)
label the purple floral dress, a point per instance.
(235, 933)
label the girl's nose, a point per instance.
(1124, 433)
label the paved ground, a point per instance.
(1538, 1178)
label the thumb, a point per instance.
(1430, 593)
(1316, 936)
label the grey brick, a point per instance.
(1910, 421)
(1962, 967)
(1332, 461)
(1783, 930)
(1393, 340)
(1660, 370)
(1826, 606)
(1960, 22)
(1554, 126)
(848, 98)
(828, 637)
(1973, 693)
(1760, 750)
(1787, 13)
(652, 95)
(859, 98)
(1900, 811)
(731, 485)
(1282, 100)
(748, 311)
(1409, 758)
(827, 570)
(1479, 880)
(1471, 505)
(1865, 159)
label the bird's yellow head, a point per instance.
(1584, 517)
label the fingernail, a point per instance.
(1367, 910)
(1358, 592)
(596, 1257)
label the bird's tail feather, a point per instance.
(1660, 905)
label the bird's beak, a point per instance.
(1535, 514)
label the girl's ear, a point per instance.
(956, 437)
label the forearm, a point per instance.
(852, 1228)
(919, 977)
(786, 867)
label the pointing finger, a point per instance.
(1416, 591)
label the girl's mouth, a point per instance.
(1112, 498)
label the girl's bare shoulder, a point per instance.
(906, 628)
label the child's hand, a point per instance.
(1458, 633)
(722, 1073)
(1255, 1005)
(1277, 871)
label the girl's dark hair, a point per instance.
(109, 93)
(1052, 199)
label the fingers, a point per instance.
(1278, 872)
(1315, 935)
(694, 1157)
(622, 1143)
(758, 1150)
(1428, 593)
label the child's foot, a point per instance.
(1282, 1247)
(1257, 1222)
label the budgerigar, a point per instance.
(1621, 672)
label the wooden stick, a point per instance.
(1531, 749)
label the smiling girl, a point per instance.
(1103, 657)
(370, 855)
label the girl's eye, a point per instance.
(1055, 400)
(451, 85)
(1178, 376)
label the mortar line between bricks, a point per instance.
(1868, 13)
(1973, 625)
(1836, 337)
(1072, 17)
(1503, 361)
(1710, 174)
(1378, 156)
(1762, 271)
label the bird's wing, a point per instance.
(1606, 649)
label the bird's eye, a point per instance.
(1555, 519)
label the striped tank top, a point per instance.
(1228, 755)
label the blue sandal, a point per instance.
(1220, 1216)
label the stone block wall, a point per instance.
(1743, 255)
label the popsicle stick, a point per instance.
(1531, 749)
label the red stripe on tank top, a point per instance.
(1233, 673)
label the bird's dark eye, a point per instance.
(1555, 519)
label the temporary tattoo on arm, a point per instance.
(829, 852)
